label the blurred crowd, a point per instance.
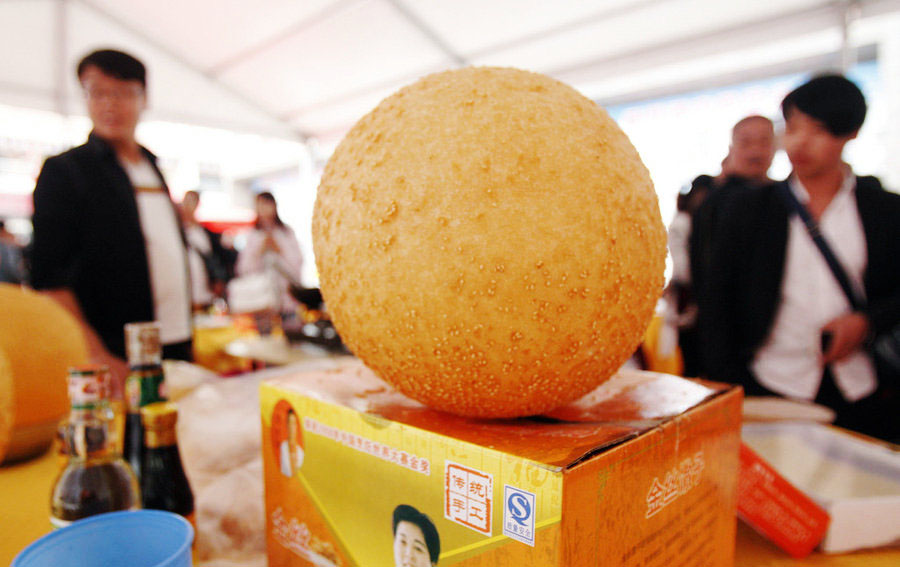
(790, 288)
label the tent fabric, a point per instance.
(311, 68)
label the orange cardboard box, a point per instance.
(642, 471)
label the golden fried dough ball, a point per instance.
(489, 242)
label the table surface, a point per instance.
(25, 502)
(754, 551)
(25, 509)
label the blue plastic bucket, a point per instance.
(140, 538)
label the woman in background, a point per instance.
(206, 257)
(272, 245)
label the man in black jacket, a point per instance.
(107, 239)
(746, 167)
(773, 316)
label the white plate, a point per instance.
(758, 408)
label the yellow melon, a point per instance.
(39, 340)
(489, 242)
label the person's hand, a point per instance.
(847, 334)
(270, 244)
(118, 369)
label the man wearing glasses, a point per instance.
(107, 242)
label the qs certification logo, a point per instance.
(518, 514)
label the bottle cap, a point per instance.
(88, 384)
(159, 415)
(142, 343)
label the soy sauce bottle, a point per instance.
(95, 479)
(144, 385)
(164, 485)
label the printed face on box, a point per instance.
(287, 438)
(410, 549)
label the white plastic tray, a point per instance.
(856, 481)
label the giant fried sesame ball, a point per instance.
(489, 242)
(39, 341)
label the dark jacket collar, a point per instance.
(103, 148)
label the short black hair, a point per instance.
(832, 99)
(115, 64)
(406, 513)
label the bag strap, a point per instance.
(812, 227)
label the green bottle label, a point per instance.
(143, 387)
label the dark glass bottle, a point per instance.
(164, 484)
(95, 479)
(144, 385)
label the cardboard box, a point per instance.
(642, 471)
(855, 482)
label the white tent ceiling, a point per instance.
(311, 68)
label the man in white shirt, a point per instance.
(775, 319)
(107, 239)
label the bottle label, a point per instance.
(142, 343)
(143, 388)
(85, 390)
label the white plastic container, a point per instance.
(856, 481)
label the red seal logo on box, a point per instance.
(468, 497)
